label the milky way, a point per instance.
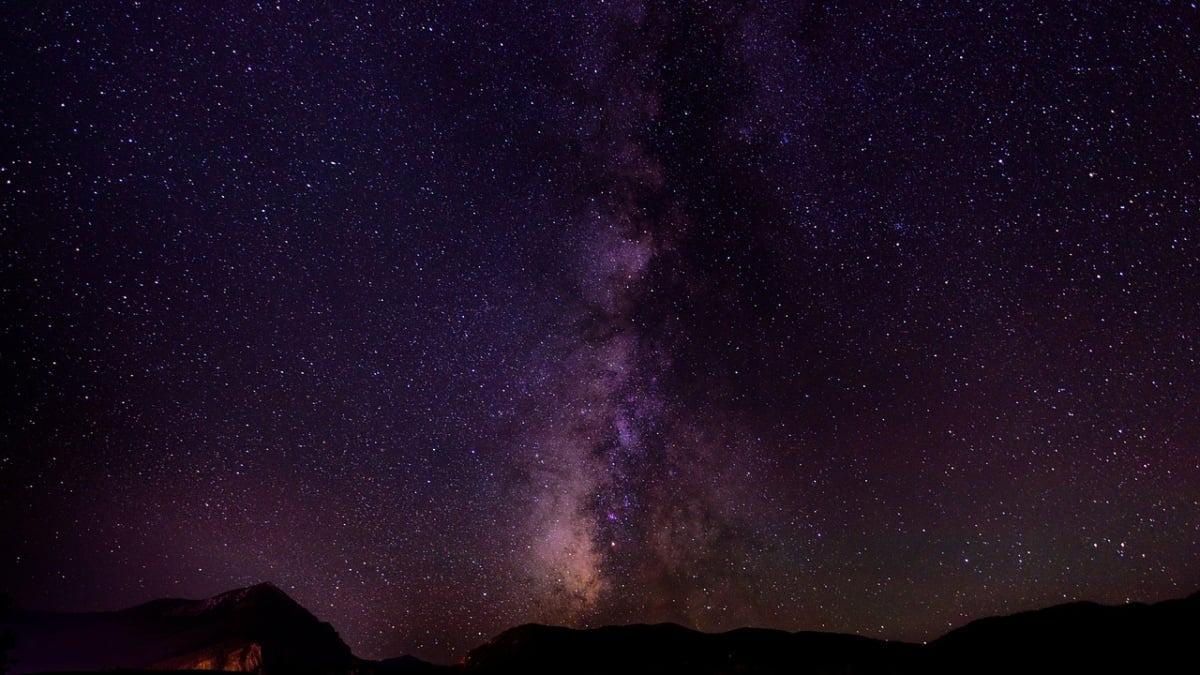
(454, 316)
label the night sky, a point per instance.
(451, 316)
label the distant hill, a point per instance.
(260, 629)
(668, 648)
(1074, 638)
(1080, 637)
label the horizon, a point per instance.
(966, 622)
(239, 630)
(459, 315)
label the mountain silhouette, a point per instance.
(1077, 637)
(260, 629)
(669, 648)
(1073, 638)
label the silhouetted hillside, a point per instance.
(1076, 637)
(261, 629)
(1073, 638)
(668, 648)
(258, 628)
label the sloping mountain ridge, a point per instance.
(1072, 638)
(1077, 637)
(254, 629)
(260, 629)
(669, 648)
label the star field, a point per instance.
(451, 316)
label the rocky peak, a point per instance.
(254, 629)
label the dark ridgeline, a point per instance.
(255, 628)
(1073, 638)
(669, 648)
(1080, 637)
(260, 629)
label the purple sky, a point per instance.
(447, 317)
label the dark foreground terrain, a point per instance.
(260, 629)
